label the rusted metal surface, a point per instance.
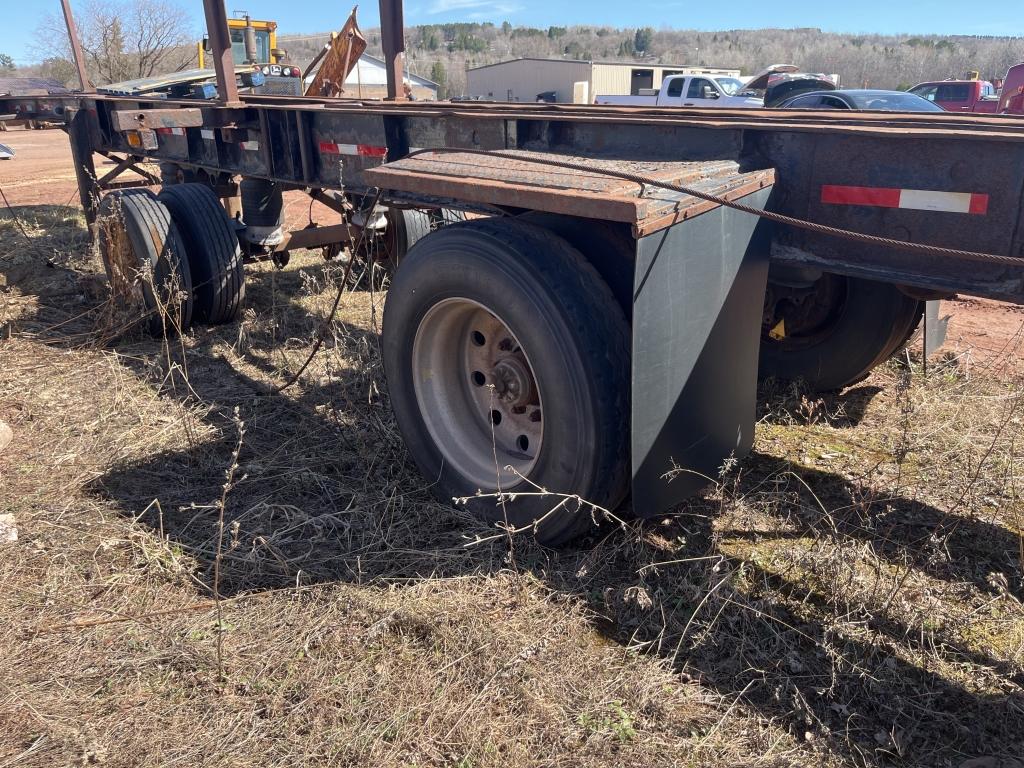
(80, 131)
(143, 119)
(508, 183)
(392, 39)
(76, 46)
(335, 202)
(339, 58)
(122, 165)
(891, 125)
(315, 237)
(335, 145)
(223, 60)
(47, 108)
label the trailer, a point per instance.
(599, 331)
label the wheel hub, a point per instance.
(477, 393)
(808, 313)
(513, 383)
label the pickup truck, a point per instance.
(960, 95)
(692, 91)
(764, 89)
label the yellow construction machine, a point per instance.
(254, 44)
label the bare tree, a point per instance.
(124, 39)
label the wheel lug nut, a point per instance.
(519, 409)
(535, 416)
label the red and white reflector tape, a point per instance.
(171, 131)
(207, 134)
(250, 146)
(913, 199)
(362, 150)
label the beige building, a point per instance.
(571, 81)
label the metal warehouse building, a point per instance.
(572, 81)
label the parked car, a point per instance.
(960, 95)
(719, 90)
(889, 101)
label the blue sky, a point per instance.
(1001, 17)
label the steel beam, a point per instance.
(76, 46)
(223, 60)
(150, 119)
(392, 39)
(316, 237)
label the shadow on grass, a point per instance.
(769, 616)
(326, 492)
(42, 265)
(792, 403)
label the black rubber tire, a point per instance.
(214, 256)
(578, 343)
(158, 257)
(904, 332)
(607, 245)
(411, 225)
(875, 320)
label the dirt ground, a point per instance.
(196, 572)
(42, 174)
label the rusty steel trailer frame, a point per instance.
(883, 156)
(697, 270)
(336, 145)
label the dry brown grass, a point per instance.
(849, 595)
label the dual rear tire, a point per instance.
(175, 254)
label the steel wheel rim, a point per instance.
(477, 394)
(811, 327)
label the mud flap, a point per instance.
(697, 303)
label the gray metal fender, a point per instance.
(697, 304)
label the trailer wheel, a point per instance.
(145, 259)
(214, 257)
(504, 348)
(833, 332)
(406, 227)
(905, 331)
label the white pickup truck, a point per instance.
(722, 91)
(692, 91)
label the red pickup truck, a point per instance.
(960, 95)
(977, 95)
